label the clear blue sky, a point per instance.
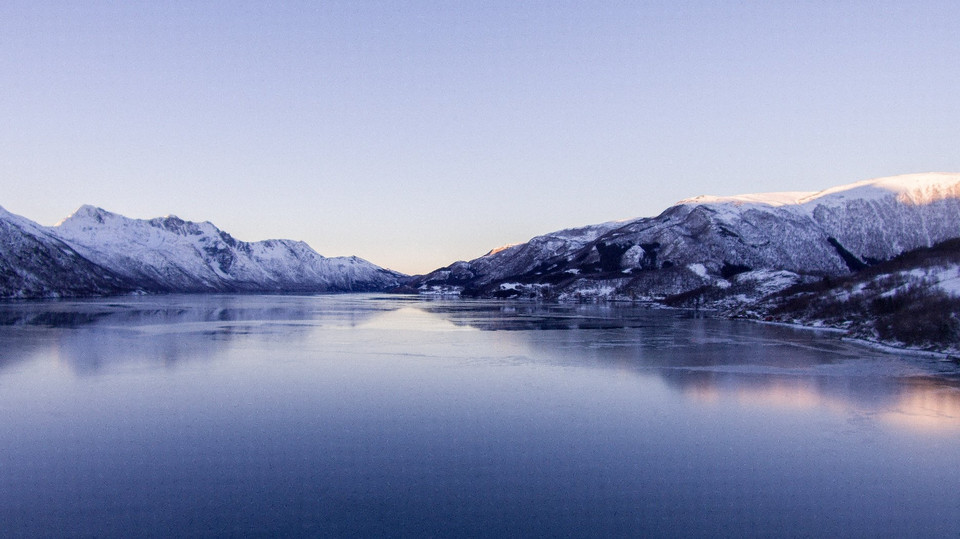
(414, 134)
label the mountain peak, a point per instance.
(496, 250)
(90, 209)
(87, 212)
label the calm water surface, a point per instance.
(379, 415)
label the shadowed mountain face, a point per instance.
(34, 262)
(754, 244)
(912, 300)
(95, 252)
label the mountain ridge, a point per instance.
(97, 252)
(707, 240)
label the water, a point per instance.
(378, 415)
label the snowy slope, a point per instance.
(707, 240)
(95, 252)
(169, 253)
(36, 263)
(515, 259)
(912, 301)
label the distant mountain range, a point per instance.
(879, 259)
(819, 258)
(95, 252)
(762, 241)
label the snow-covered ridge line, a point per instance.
(166, 254)
(768, 199)
(922, 188)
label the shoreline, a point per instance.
(951, 356)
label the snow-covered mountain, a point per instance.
(96, 252)
(759, 241)
(34, 262)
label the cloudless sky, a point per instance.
(417, 133)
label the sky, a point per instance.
(414, 134)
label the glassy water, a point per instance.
(396, 416)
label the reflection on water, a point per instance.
(915, 402)
(392, 415)
(706, 360)
(713, 360)
(163, 330)
(926, 403)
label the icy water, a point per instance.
(396, 416)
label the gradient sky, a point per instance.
(414, 134)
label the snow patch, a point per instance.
(698, 268)
(762, 199)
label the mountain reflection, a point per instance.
(165, 330)
(711, 362)
(912, 402)
(915, 401)
(926, 403)
(730, 363)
